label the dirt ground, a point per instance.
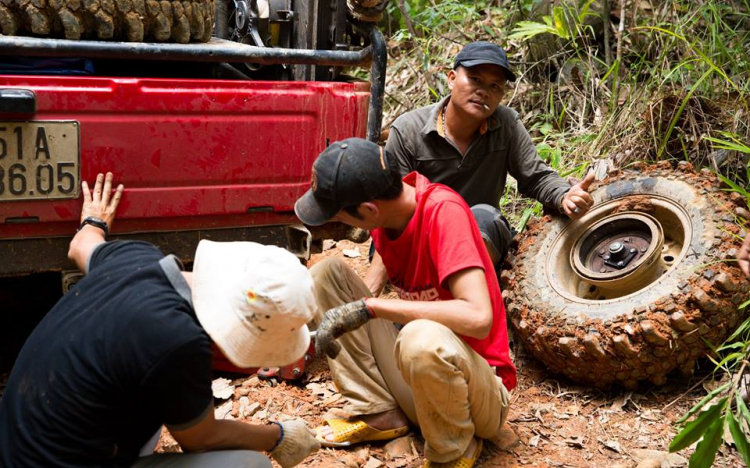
(557, 424)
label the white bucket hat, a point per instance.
(254, 301)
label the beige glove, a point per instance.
(297, 442)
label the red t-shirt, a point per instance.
(442, 238)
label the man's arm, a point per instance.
(289, 442)
(214, 434)
(469, 314)
(99, 204)
(535, 178)
(396, 146)
(376, 276)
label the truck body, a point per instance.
(199, 158)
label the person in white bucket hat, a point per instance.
(128, 350)
(254, 301)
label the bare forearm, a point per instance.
(83, 244)
(236, 435)
(460, 316)
(376, 276)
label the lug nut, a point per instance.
(633, 251)
(620, 263)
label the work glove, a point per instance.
(336, 322)
(297, 442)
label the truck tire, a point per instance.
(369, 11)
(179, 21)
(621, 326)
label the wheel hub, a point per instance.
(619, 253)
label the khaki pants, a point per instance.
(439, 382)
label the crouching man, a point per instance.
(438, 357)
(129, 350)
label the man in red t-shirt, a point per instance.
(437, 357)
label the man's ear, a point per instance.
(451, 78)
(369, 209)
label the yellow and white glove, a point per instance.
(297, 442)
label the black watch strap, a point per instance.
(94, 221)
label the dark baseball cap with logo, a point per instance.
(484, 53)
(348, 172)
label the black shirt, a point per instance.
(503, 147)
(120, 354)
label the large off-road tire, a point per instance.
(600, 336)
(179, 21)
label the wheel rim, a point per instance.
(577, 267)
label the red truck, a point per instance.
(200, 157)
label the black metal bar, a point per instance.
(217, 50)
(377, 84)
(222, 19)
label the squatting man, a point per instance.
(471, 143)
(437, 358)
(128, 350)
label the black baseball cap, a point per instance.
(482, 53)
(348, 172)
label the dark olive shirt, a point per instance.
(502, 147)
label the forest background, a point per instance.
(602, 85)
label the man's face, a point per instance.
(367, 219)
(474, 88)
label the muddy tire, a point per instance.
(367, 10)
(178, 21)
(600, 338)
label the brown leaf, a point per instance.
(575, 442)
(222, 388)
(620, 403)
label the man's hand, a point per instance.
(336, 322)
(297, 443)
(101, 203)
(577, 201)
(744, 257)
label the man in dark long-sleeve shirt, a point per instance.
(471, 143)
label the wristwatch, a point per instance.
(94, 221)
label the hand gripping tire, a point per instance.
(585, 316)
(179, 21)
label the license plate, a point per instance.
(39, 160)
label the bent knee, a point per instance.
(420, 339)
(330, 269)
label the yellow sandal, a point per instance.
(459, 462)
(352, 431)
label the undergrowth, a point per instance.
(603, 85)
(670, 82)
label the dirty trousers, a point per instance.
(439, 382)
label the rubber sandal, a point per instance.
(352, 431)
(459, 462)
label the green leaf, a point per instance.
(702, 403)
(528, 29)
(744, 304)
(697, 427)
(741, 329)
(735, 187)
(743, 408)
(728, 145)
(740, 441)
(732, 356)
(705, 453)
